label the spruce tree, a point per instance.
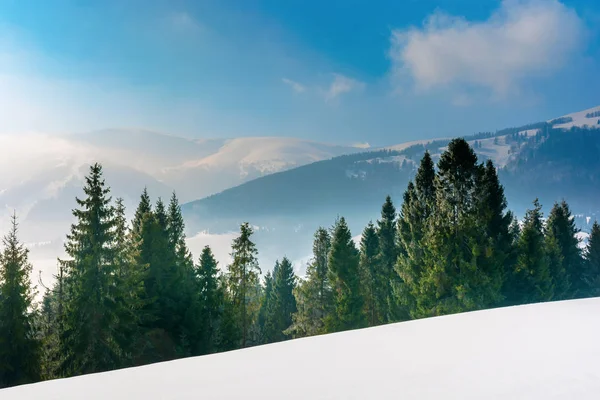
(530, 280)
(415, 216)
(344, 274)
(19, 344)
(369, 251)
(89, 339)
(388, 254)
(266, 317)
(591, 276)
(494, 239)
(314, 297)
(128, 284)
(188, 299)
(561, 229)
(452, 282)
(243, 278)
(283, 302)
(144, 208)
(211, 301)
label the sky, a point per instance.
(351, 71)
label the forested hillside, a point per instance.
(129, 293)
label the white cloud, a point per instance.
(523, 38)
(297, 87)
(342, 84)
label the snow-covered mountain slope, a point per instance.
(587, 118)
(243, 159)
(535, 352)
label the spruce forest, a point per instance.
(130, 293)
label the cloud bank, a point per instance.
(520, 40)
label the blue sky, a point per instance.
(338, 71)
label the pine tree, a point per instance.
(283, 302)
(493, 235)
(243, 278)
(591, 276)
(414, 219)
(369, 251)
(561, 229)
(453, 282)
(19, 344)
(388, 254)
(211, 300)
(266, 317)
(531, 281)
(314, 297)
(89, 342)
(188, 299)
(343, 266)
(128, 284)
(143, 209)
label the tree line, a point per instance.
(130, 293)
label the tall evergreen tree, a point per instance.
(188, 300)
(144, 207)
(343, 266)
(211, 300)
(91, 313)
(314, 297)
(388, 254)
(591, 276)
(415, 215)
(560, 229)
(243, 278)
(531, 281)
(283, 302)
(19, 344)
(369, 251)
(128, 281)
(457, 278)
(494, 239)
(266, 317)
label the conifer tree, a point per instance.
(369, 251)
(144, 207)
(283, 301)
(229, 333)
(493, 234)
(461, 273)
(561, 230)
(415, 215)
(19, 344)
(188, 299)
(531, 281)
(266, 317)
(176, 232)
(314, 297)
(243, 278)
(211, 301)
(89, 342)
(128, 283)
(344, 274)
(591, 276)
(388, 254)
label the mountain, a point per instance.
(534, 352)
(549, 160)
(43, 174)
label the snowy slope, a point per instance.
(582, 119)
(536, 352)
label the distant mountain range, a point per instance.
(286, 187)
(552, 160)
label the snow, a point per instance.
(534, 352)
(580, 120)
